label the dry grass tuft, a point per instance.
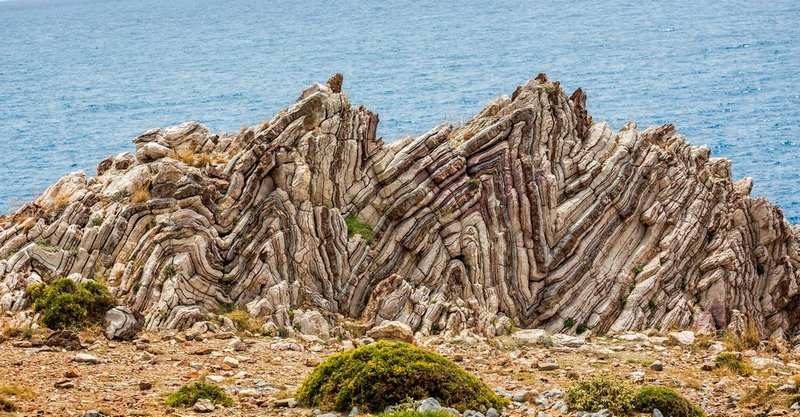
(141, 194)
(16, 391)
(197, 159)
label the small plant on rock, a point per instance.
(601, 391)
(569, 323)
(385, 373)
(666, 400)
(582, 328)
(188, 395)
(733, 363)
(65, 304)
(356, 226)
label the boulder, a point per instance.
(392, 330)
(123, 323)
(685, 337)
(64, 339)
(313, 323)
(531, 337)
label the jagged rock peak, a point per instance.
(529, 215)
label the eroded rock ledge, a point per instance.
(530, 215)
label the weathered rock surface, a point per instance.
(123, 323)
(392, 330)
(530, 215)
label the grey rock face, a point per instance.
(123, 323)
(392, 330)
(529, 215)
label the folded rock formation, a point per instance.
(530, 215)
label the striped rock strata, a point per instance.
(530, 215)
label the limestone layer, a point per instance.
(529, 215)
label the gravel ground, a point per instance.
(134, 378)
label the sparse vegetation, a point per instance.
(188, 395)
(601, 391)
(733, 363)
(415, 414)
(141, 194)
(385, 373)
(16, 391)
(637, 269)
(750, 339)
(16, 332)
(244, 321)
(97, 221)
(473, 182)
(669, 402)
(582, 328)
(569, 323)
(197, 159)
(65, 304)
(762, 394)
(169, 271)
(356, 226)
(46, 246)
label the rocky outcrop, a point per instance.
(530, 215)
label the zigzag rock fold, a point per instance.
(530, 215)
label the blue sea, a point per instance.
(80, 79)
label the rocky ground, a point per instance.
(261, 373)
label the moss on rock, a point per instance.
(386, 373)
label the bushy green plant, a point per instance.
(732, 362)
(65, 304)
(601, 391)
(582, 328)
(794, 398)
(666, 400)
(386, 373)
(356, 226)
(187, 395)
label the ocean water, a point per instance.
(80, 79)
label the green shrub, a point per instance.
(667, 401)
(65, 304)
(188, 395)
(356, 226)
(416, 414)
(732, 362)
(601, 391)
(568, 323)
(582, 328)
(794, 398)
(386, 373)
